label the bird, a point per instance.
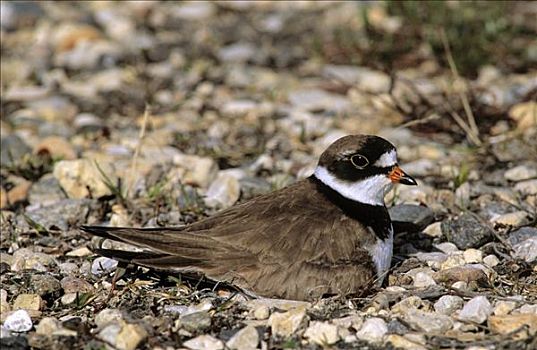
(327, 234)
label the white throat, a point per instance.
(368, 191)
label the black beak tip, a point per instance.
(408, 180)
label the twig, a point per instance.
(470, 127)
(134, 163)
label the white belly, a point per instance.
(381, 252)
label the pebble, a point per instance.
(466, 232)
(507, 324)
(400, 342)
(103, 265)
(245, 339)
(107, 316)
(44, 284)
(196, 321)
(368, 79)
(24, 258)
(204, 342)
(526, 250)
(18, 321)
(322, 333)
(515, 219)
(467, 274)
(527, 188)
(453, 260)
(524, 114)
(81, 178)
(194, 170)
(76, 285)
(447, 247)
(423, 280)
(448, 304)
(373, 330)
(284, 324)
(262, 312)
(521, 172)
(123, 336)
(522, 234)
(223, 192)
(434, 230)
(57, 147)
(318, 100)
(28, 302)
(411, 217)
(47, 326)
(61, 215)
(428, 322)
(412, 302)
(504, 307)
(491, 260)
(45, 191)
(476, 310)
(237, 53)
(472, 256)
(12, 150)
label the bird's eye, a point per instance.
(359, 161)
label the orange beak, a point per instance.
(397, 175)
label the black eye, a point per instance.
(359, 161)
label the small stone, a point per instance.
(527, 309)
(47, 326)
(446, 247)
(68, 268)
(12, 150)
(507, 324)
(285, 324)
(24, 258)
(76, 285)
(466, 232)
(524, 114)
(57, 147)
(61, 215)
(81, 178)
(410, 217)
(448, 304)
(373, 330)
(412, 302)
(322, 333)
(223, 192)
(526, 250)
(521, 172)
(460, 285)
(491, 260)
(504, 307)
(262, 312)
(79, 252)
(245, 339)
(103, 265)
(204, 342)
(30, 302)
(472, 256)
(69, 299)
(428, 322)
(354, 321)
(18, 321)
(318, 100)
(527, 188)
(515, 219)
(130, 336)
(44, 284)
(422, 280)
(196, 171)
(194, 11)
(452, 261)
(196, 321)
(522, 234)
(400, 342)
(107, 316)
(433, 230)
(476, 310)
(239, 108)
(466, 274)
(237, 52)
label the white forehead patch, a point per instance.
(388, 159)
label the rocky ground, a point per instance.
(153, 114)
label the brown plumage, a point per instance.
(300, 242)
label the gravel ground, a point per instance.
(159, 114)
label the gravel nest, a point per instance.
(161, 113)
